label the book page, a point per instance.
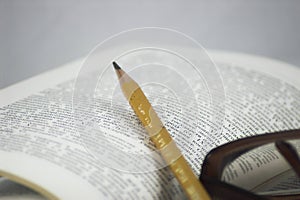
(40, 147)
(267, 105)
(284, 183)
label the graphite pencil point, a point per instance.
(116, 66)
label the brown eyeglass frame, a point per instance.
(218, 158)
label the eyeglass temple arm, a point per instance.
(290, 154)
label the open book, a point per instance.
(38, 151)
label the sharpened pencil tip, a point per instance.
(116, 66)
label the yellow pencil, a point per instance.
(160, 137)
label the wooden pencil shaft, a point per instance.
(161, 138)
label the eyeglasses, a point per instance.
(220, 158)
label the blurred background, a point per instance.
(39, 35)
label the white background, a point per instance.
(39, 35)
